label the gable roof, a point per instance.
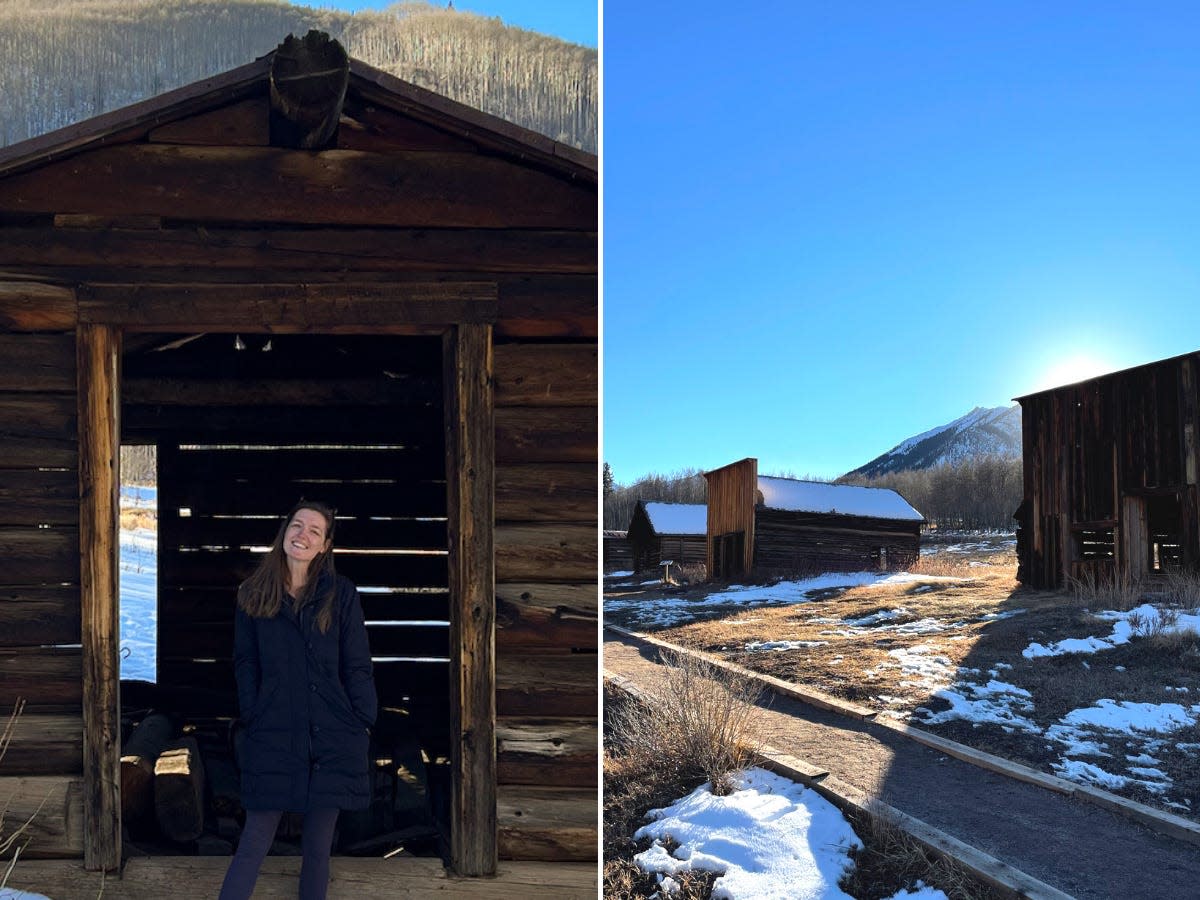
(840, 499)
(677, 518)
(1106, 375)
(136, 120)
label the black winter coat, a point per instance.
(307, 701)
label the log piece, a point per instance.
(53, 806)
(546, 374)
(179, 790)
(546, 492)
(29, 306)
(37, 362)
(138, 758)
(45, 745)
(547, 823)
(552, 552)
(308, 83)
(547, 752)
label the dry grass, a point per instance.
(133, 518)
(14, 841)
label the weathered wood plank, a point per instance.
(39, 615)
(547, 823)
(37, 497)
(261, 496)
(557, 552)
(281, 392)
(260, 184)
(547, 375)
(276, 425)
(45, 745)
(37, 362)
(39, 555)
(470, 435)
(242, 124)
(138, 758)
(558, 685)
(106, 247)
(544, 627)
(49, 679)
(38, 431)
(404, 878)
(29, 306)
(53, 807)
(547, 492)
(281, 308)
(99, 348)
(548, 752)
(546, 307)
(365, 126)
(563, 434)
(179, 790)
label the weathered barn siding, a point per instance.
(423, 222)
(731, 520)
(789, 541)
(652, 541)
(618, 555)
(1110, 476)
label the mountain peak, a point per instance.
(984, 431)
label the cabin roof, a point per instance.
(134, 121)
(677, 518)
(841, 499)
(1116, 374)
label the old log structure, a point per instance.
(667, 531)
(1110, 473)
(305, 277)
(618, 556)
(762, 524)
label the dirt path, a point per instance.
(1078, 848)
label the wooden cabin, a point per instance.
(667, 531)
(1110, 473)
(618, 557)
(307, 278)
(761, 524)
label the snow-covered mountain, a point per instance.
(981, 432)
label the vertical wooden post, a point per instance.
(98, 349)
(470, 479)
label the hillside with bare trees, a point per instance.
(69, 60)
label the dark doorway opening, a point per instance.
(244, 426)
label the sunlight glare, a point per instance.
(1071, 369)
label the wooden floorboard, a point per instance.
(152, 878)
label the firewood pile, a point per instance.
(180, 792)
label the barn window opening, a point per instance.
(238, 438)
(1096, 544)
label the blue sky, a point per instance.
(571, 20)
(831, 226)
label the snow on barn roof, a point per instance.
(843, 499)
(678, 518)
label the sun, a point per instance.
(1071, 369)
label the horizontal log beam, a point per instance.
(337, 187)
(533, 435)
(547, 375)
(351, 878)
(546, 685)
(29, 306)
(547, 752)
(286, 308)
(546, 552)
(35, 616)
(44, 745)
(49, 679)
(547, 823)
(37, 362)
(36, 497)
(53, 806)
(35, 555)
(547, 492)
(532, 626)
(38, 431)
(281, 249)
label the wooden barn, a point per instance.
(307, 278)
(662, 531)
(762, 524)
(1110, 472)
(618, 557)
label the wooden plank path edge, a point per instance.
(1159, 820)
(848, 798)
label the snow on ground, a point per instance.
(1145, 618)
(139, 496)
(15, 894)
(779, 646)
(769, 839)
(139, 603)
(668, 611)
(996, 702)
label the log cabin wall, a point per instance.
(790, 541)
(1110, 476)
(618, 556)
(644, 542)
(684, 549)
(731, 496)
(183, 216)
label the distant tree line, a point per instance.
(63, 62)
(983, 492)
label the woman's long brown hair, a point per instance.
(261, 595)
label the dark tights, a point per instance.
(316, 841)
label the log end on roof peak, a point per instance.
(308, 80)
